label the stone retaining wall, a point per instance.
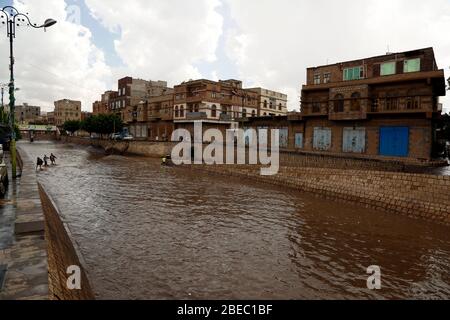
(414, 195)
(287, 158)
(142, 148)
(62, 253)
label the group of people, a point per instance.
(44, 162)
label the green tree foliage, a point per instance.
(103, 124)
(72, 126)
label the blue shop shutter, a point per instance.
(299, 140)
(394, 141)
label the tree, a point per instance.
(72, 126)
(88, 125)
(103, 124)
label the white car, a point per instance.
(128, 137)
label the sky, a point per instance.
(267, 43)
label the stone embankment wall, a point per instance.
(287, 158)
(414, 195)
(142, 148)
(62, 252)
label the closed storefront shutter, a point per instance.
(354, 140)
(299, 140)
(394, 141)
(322, 139)
(284, 137)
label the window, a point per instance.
(271, 105)
(280, 107)
(388, 68)
(214, 95)
(253, 113)
(391, 102)
(326, 77)
(339, 103)
(265, 104)
(182, 112)
(411, 65)
(214, 111)
(317, 78)
(355, 73)
(316, 107)
(412, 103)
(244, 113)
(176, 112)
(356, 102)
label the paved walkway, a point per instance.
(23, 252)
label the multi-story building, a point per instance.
(216, 104)
(25, 113)
(85, 115)
(132, 92)
(152, 119)
(66, 110)
(271, 103)
(384, 105)
(104, 105)
(51, 118)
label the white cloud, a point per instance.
(161, 40)
(275, 41)
(59, 63)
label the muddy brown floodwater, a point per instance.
(151, 232)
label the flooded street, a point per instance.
(152, 232)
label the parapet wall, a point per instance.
(62, 252)
(417, 196)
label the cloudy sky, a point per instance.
(267, 43)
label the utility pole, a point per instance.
(12, 17)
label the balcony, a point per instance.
(196, 115)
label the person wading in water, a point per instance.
(39, 163)
(46, 160)
(53, 159)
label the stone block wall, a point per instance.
(417, 196)
(62, 253)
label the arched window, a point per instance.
(271, 105)
(280, 107)
(244, 113)
(265, 113)
(356, 102)
(412, 102)
(214, 111)
(265, 104)
(176, 112)
(253, 113)
(182, 112)
(339, 103)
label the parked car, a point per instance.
(127, 137)
(116, 136)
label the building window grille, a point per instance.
(339, 103)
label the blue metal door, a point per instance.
(394, 141)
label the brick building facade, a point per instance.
(66, 110)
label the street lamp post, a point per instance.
(12, 18)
